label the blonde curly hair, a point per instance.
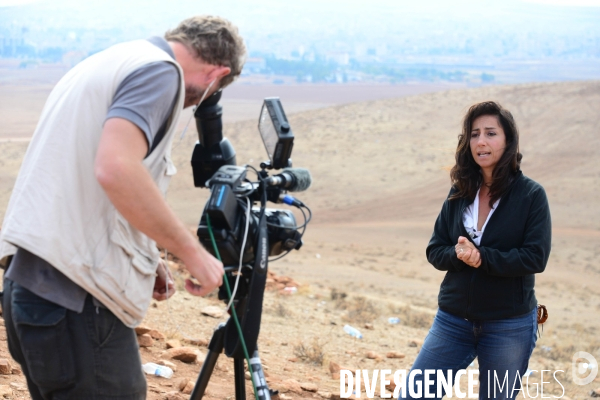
(213, 40)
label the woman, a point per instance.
(491, 236)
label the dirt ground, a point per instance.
(380, 174)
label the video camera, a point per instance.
(244, 235)
(232, 194)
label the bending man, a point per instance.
(87, 210)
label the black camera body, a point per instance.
(234, 220)
(229, 216)
(213, 165)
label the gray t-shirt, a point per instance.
(146, 97)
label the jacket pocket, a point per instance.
(127, 270)
(139, 248)
(142, 254)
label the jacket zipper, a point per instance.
(464, 230)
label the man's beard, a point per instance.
(193, 94)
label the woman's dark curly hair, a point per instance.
(466, 174)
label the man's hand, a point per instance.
(164, 287)
(467, 252)
(207, 270)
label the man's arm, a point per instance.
(129, 186)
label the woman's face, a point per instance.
(487, 142)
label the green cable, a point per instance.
(233, 313)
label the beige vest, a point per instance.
(58, 210)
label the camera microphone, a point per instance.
(292, 179)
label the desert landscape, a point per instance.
(380, 174)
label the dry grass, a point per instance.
(357, 309)
(412, 317)
(310, 353)
(338, 295)
(564, 349)
(281, 310)
(173, 333)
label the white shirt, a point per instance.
(471, 219)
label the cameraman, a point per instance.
(79, 237)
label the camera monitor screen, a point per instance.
(276, 133)
(267, 131)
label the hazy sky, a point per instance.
(274, 15)
(583, 3)
(507, 28)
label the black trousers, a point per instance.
(69, 355)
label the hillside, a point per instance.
(380, 174)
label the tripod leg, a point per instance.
(215, 347)
(258, 376)
(240, 379)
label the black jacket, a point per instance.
(515, 245)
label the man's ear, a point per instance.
(219, 72)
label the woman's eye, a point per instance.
(491, 133)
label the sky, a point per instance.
(578, 3)
(425, 32)
(280, 15)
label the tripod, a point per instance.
(215, 347)
(247, 299)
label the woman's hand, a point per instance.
(467, 252)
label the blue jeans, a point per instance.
(502, 348)
(69, 355)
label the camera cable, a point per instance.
(233, 313)
(303, 227)
(239, 273)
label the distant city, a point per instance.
(336, 42)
